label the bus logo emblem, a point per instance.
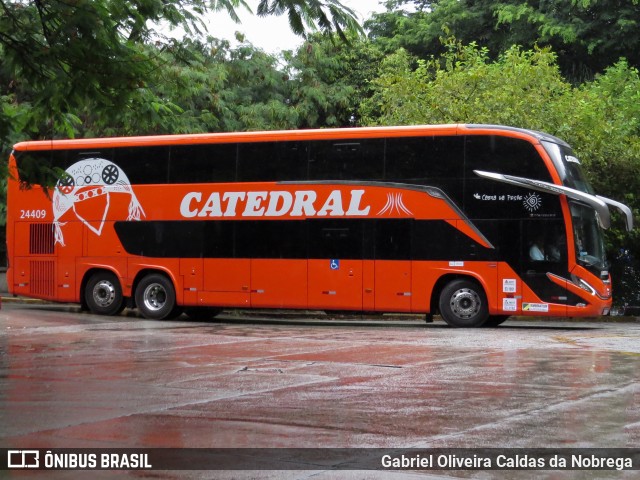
(532, 202)
(395, 203)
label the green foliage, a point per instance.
(329, 80)
(326, 15)
(588, 35)
(465, 86)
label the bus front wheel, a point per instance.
(103, 294)
(156, 297)
(463, 303)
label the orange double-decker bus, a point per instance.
(474, 222)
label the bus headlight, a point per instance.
(584, 285)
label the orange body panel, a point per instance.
(227, 275)
(396, 295)
(335, 284)
(278, 283)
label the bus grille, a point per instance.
(42, 282)
(41, 239)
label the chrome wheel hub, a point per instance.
(104, 293)
(155, 297)
(465, 303)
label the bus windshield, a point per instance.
(569, 167)
(588, 236)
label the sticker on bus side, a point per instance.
(535, 307)
(509, 285)
(510, 304)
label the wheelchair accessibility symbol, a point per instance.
(335, 264)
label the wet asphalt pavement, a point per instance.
(70, 380)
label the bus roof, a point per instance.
(286, 135)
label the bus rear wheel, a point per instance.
(103, 294)
(156, 297)
(463, 303)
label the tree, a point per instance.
(329, 80)
(464, 85)
(327, 15)
(60, 56)
(588, 35)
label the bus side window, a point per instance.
(272, 161)
(273, 239)
(393, 239)
(436, 240)
(347, 160)
(203, 163)
(35, 168)
(144, 165)
(505, 155)
(544, 241)
(335, 239)
(431, 159)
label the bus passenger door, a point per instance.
(393, 265)
(393, 286)
(544, 267)
(335, 264)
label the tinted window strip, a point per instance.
(372, 239)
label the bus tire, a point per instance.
(156, 297)
(103, 294)
(463, 303)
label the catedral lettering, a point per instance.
(272, 204)
(472, 222)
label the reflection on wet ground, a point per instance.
(77, 380)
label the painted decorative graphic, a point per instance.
(394, 203)
(532, 202)
(90, 183)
